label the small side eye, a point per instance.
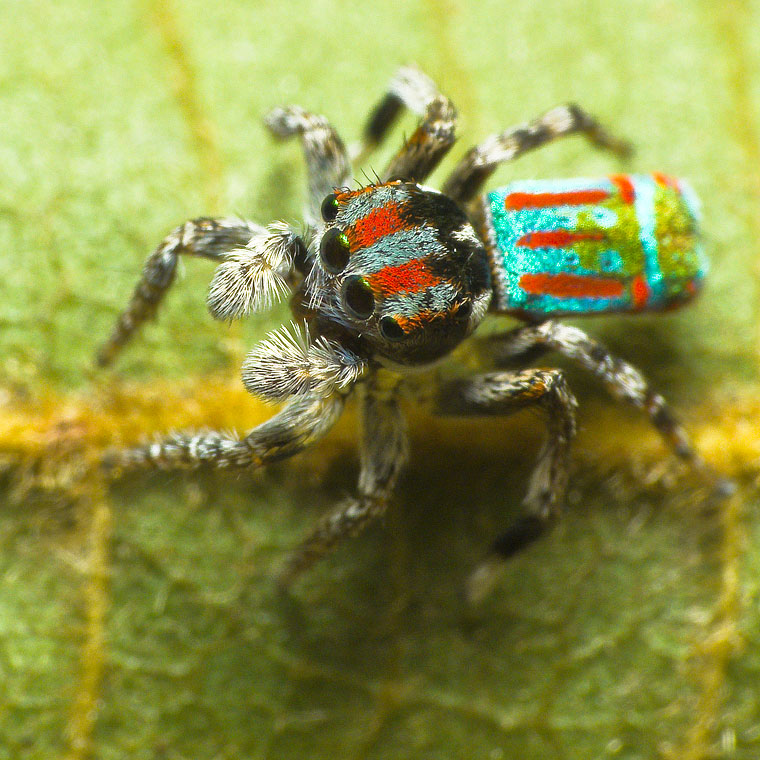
(390, 329)
(334, 250)
(329, 207)
(358, 298)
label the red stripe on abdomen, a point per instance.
(639, 292)
(666, 180)
(557, 238)
(518, 201)
(624, 186)
(409, 277)
(571, 286)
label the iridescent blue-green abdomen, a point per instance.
(579, 246)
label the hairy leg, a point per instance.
(409, 88)
(326, 158)
(481, 161)
(429, 143)
(327, 161)
(383, 454)
(299, 424)
(502, 393)
(236, 242)
(621, 379)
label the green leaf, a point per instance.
(144, 622)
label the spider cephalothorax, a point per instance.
(401, 267)
(392, 276)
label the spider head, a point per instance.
(400, 266)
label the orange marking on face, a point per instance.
(425, 317)
(347, 195)
(406, 323)
(409, 277)
(344, 196)
(381, 221)
(571, 286)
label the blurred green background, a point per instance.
(146, 624)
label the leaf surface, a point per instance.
(143, 622)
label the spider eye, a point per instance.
(358, 298)
(329, 207)
(390, 329)
(334, 250)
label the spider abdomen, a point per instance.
(571, 247)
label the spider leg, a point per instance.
(481, 161)
(327, 161)
(409, 88)
(502, 393)
(430, 142)
(383, 454)
(621, 379)
(257, 261)
(299, 424)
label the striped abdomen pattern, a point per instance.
(578, 246)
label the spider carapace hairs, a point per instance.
(389, 278)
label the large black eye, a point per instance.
(334, 250)
(358, 298)
(329, 207)
(390, 329)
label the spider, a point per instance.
(388, 278)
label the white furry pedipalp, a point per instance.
(252, 278)
(286, 363)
